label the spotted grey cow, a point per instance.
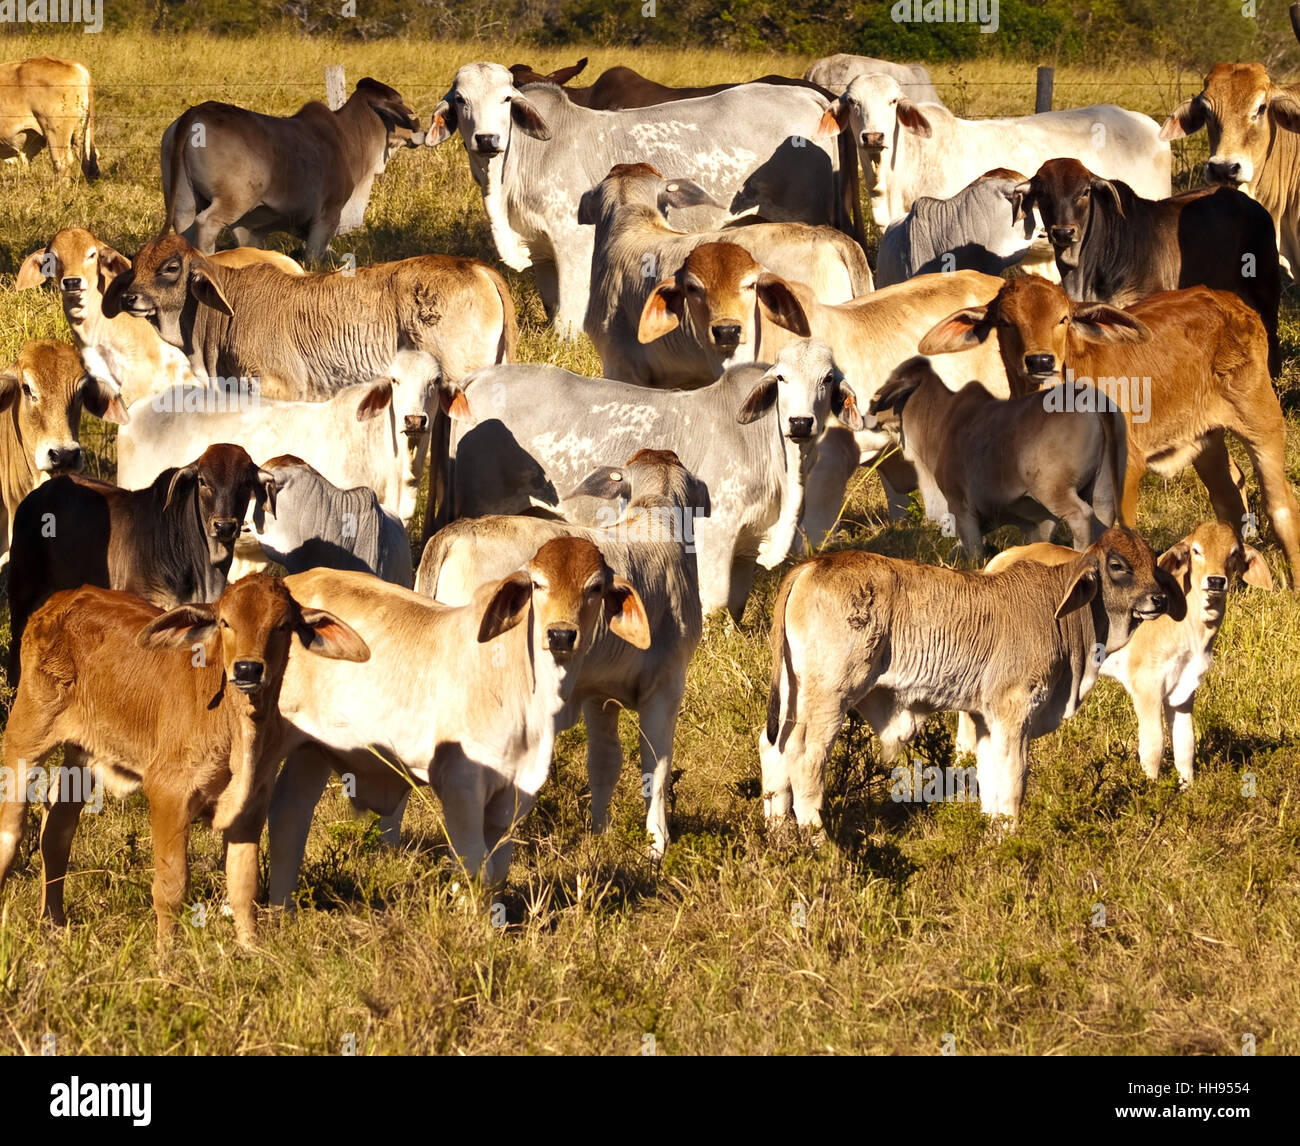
(751, 437)
(533, 154)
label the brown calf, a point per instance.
(182, 704)
(1194, 364)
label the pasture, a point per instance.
(911, 923)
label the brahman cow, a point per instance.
(170, 543)
(895, 641)
(468, 699)
(224, 166)
(374, 434)
(123, 351)
(651, 543)
(639, 261)
(533, 154)
(971, 230)
(1185, 366)
(45, 101)
(1251, 122)
(909, 149)
(1114, 246)
(44, 391)
(835, 73)
(308, 336)
(316, 525)
(1164, 664)
(989, 461)
(751, 437)
(180, 704)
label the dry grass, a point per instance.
(919, 923)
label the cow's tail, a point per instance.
(850, 185)
(781, 663)
(444, 461)
(1115, 431)
(179, 190)
(432, 561)
(509, 321)
(89, 156)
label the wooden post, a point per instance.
(335, 84)
(1043, 96)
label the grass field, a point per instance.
(917, 923)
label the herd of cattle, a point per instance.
(577, 531)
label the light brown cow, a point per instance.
(1252, 124)
(124, 351)
(1186, 366)
(120, 685)
(637, 269)
(44, 391)
(1162, 667)
(895, 641)
(48, 101)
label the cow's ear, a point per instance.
(31, 271)
(608, 482)
(112, 302)
(325, 635)
(443, 126)
(959, 331)
(913, 118)
(901, 384)
(1254, 569)
(508, 606)
(1176, 599)
(1285, 106)
(626, 615)
(527, 118)
(834, 119)
(589, 207)
(11, 382)
(662, 313)
(1098, 322)
(111, 264)
(1106, 187)
(181, 628)
(377, 398)
(104, 400)
(562, 76)
(681, 193)
(844, 405)
(700, 500)
(207, 291)
(1187, 119)
(182, 476)
(761, 399)
(1022, 200)
(1082, 589)
(1177, 562)
(453, 402)
(780, 304)
(266, 490)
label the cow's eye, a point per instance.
(1084, 194)
(91, 254)
(1064, 319)
(1117, 567)
(222, 623)
(172, 267)
(460, 100)
(1197, 551)
(1261, 110)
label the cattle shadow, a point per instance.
(515, 475)
(793, 183)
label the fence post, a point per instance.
(334, 87)
(1043, 96)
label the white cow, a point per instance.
(836, 72)
(909, 149)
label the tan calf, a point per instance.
(182, 704)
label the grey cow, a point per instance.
(834, 73)
(751, 437)
(975, 230)
(533, 154)
(317, 525)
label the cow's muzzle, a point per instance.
(801, 428)
(561, 640)
(138, 305)
(1064, 236)
(248, 675)
(1155, 605)
(873, 140)
(726, 335)
(1226, 171)
(72, 284)
(415, 423)
(61, 459)
(225, 528)
(487, 144)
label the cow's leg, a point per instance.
(1182, 732)
(574, 281)
(297, 791)
(248, 237)
(390, 826)
(778, 795)
(1003, 767)
(460, 784)
(13, 807)
(1135, 469)
(658, 727)
(1148, 703)
(825, 486)
(741, 582)
(169, 818)
(968, 529)
(1265, 441)
(1213, 467)
(58, 826)
(322, 230)
(211, 221)
(807, 750)
(242, 839)
(1066, 505)
(604, 757)
(502, 813)
(967, 738)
